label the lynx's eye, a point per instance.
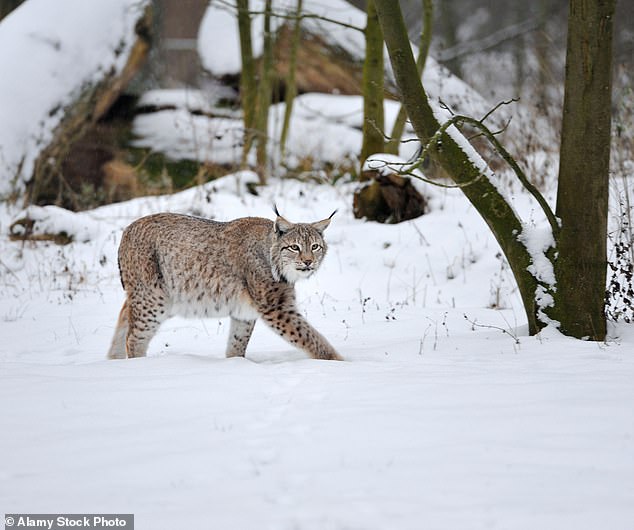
(294, 248)
(316, 246)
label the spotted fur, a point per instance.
(174, 264)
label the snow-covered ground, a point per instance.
(444, 415)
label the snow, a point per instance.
(538, 242)
(53, 54)
(182, 135)
(219, 25)
(437, 419)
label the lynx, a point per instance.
(174, 264)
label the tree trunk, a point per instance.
(448, 26)
(480, 191)
(373, 73)
(248, 90)
(582, 193)
(542, 54)
(425, 41)
(291, 81)
(264, 97)
(519, 50)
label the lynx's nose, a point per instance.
(308, 262)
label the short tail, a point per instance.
(118, 347)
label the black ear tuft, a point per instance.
(320, 226)
(281, 225)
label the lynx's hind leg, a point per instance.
(147, 311)
(117, 348)
(239, 335)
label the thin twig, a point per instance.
(474, 324)
(11, 273)
(506, 102)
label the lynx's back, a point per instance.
(181, 265)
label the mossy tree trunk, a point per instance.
(582, 193)
(425, 41)
(449, 28)
(579, 256)
(291, 81)
(373, 74)
(248, 86)
(264, 97)
(544, 70)
(519, 50)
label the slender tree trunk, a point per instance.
(482, 193)
(582, 194)
(425, 41)
(543, 59)
(373, 74)
(248, 89)
(291, 81)
(448, 24)
(264, 96)
(519, 45)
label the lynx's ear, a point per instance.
(281, 225)
(320, 226)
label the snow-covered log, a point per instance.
(63, 64)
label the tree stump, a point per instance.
(388, 198)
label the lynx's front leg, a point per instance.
(278, 310)
(239, 335)
(296, 330)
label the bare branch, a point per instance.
(290, 16)
(486, 43)
(505, 102)
(410, 172)
(459, 120)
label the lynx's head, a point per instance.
(298, 249)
